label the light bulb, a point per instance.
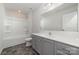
(19, 11)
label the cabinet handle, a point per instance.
(65, 51)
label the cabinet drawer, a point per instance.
(61, 46)
(74, 51)
(48, 40)
(67, 49)
(58, 52)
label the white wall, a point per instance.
(2, 18)
(15, 28)
(29, 21)
(36, 17)
(78, 17)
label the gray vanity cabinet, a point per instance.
(64, 49)
(42, 45)
(48, 47)
(45, 46)
(33, 41)
(39, 45)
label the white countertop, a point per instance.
(71, 38)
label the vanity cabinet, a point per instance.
(37, 44)
(46, 46)
(42, 45)
(64, 49)
(33, 41)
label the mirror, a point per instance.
(64, 19)
(70, 21)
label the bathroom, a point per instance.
(39, 28)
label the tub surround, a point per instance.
(71, 38)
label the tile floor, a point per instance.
(20, 49)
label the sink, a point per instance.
(49, 33)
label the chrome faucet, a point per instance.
(50, 33)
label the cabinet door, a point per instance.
(33, 41)
(65, 49)
(39, 44)
(62, 48)
(48, 48)
(74, 50)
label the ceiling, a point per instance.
(24, 7)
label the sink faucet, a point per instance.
(50, 33)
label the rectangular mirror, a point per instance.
(63, 18)
(70, 21)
